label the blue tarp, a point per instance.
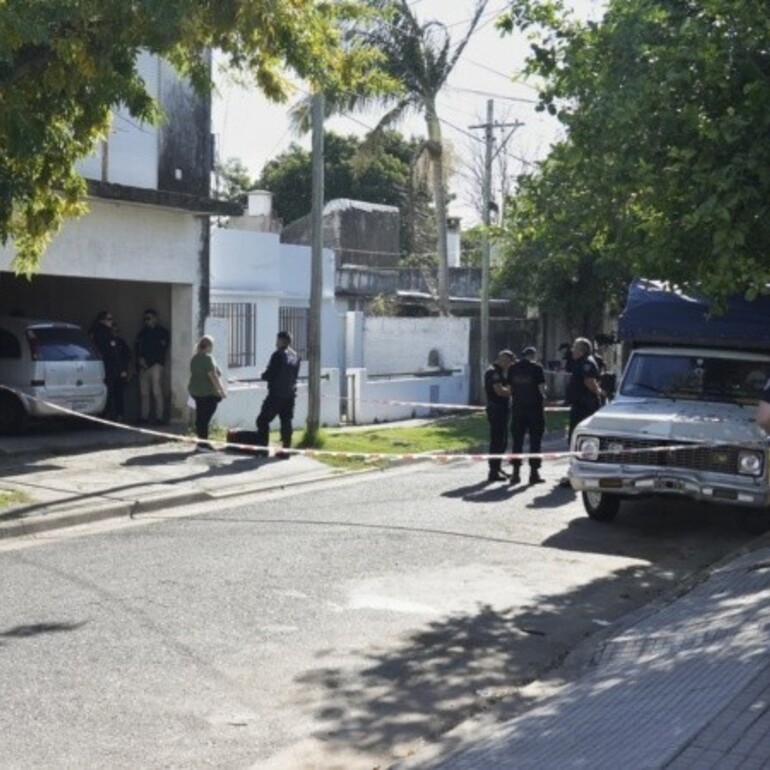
(655, 312)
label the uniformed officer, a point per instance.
(281, 377)
(584, 395)
(526, 380)
(498, 410)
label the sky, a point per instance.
(249, 127)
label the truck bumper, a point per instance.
(635, 481)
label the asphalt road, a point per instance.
(338, 626)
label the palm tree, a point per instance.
(418, 58)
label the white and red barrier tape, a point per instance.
(437, 456)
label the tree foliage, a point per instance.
(383, 175)
(233, 181)
(65, 64)
(665, 171)
(419, 58)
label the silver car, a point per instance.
(44, 364)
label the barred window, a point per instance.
(242, 327)
(294, 320)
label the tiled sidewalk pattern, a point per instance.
(686, 687)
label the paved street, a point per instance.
(340, 625)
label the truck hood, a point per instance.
(677, 421)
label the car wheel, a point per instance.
(601, 507)
(12, 414)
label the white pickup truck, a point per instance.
(683, 422)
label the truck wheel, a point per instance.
(601, 507)
(12, 414)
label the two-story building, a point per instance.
(145, 240)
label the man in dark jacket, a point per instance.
(526, 379)
(152, 345)
(281, 377)
(498, 397)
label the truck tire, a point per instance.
(12, 415)
(601, 507)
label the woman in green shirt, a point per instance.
(206, 389)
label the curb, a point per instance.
(129, 509)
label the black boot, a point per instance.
(535, 477)
(515, 477)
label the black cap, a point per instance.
(529, 351)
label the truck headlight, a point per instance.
(750, 463)
(588, 446)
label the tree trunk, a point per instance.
(436, 151)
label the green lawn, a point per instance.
(7, 498)
(448, 434)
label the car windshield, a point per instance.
(679, 376)
(60, 343)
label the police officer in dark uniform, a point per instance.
(584, 395)
(526, 380)
(498, 410)
(281, 377)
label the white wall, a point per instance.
(243, 402)
(255, 267)
(123, 241)
(131, 155)
(401, 345)
(372, 400)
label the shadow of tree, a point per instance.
(460, 665)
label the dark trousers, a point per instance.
(205, 406)
(275, 406)
(532, 423)
(115, 388)
(578, 413)
(498, 435)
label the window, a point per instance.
(60, 343)
(242, 330)
(294, 320)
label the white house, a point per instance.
(145, 241)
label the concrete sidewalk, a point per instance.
(78, 476)
(684, 684)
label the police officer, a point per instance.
(498, 410)
(526, 380)
(281, 377)
(584, 395)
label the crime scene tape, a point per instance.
(278, 451)
(431, 405)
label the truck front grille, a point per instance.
(717, 459)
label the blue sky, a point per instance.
(249, 127)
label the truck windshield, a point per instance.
(707, 378)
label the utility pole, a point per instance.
(489, 156)
(316, 274)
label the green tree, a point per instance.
(665, 171)
(419, 57)
(64, 65)
(383, 175)
(233, 181)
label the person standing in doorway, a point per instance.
(498, 395)
(152, 344)
(118, 372)
(526, 380)
(206, 389)
(281, 377)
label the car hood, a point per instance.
(677, 421)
